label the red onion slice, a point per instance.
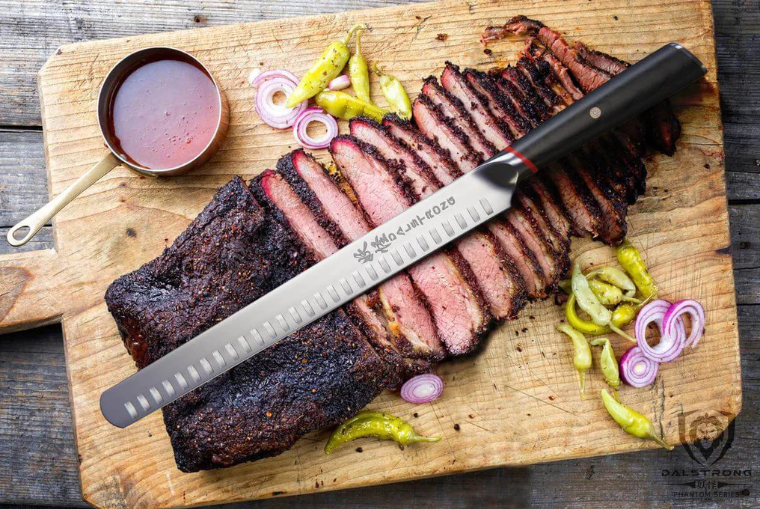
(276, 115)
(672, 321)
(277, 73)
(671, 344)
(307, 116)
(636, 369)
(340, 83)
(422, 389)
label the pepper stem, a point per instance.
(358, 26)
(420, 438)
(359, 41)
(661, 442)
(620, 332)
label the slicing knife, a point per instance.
(423, 228)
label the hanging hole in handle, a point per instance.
(26, 233)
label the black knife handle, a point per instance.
(627, 95)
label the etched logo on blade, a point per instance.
(383, 242)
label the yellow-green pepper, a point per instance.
(631, 421)
(581, 352)
(608, 362)
(323, 71)
(345, 106)
(394, 93)
(358, 71)
(375, 424)
(630, 259)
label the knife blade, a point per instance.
(420, 230)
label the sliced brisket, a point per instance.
(444, 278)
(413, 330)
(455, 111)
(406, 356)
(437, 158)
(501, 107)
(495, 276)
(494, 129)
(435, 125)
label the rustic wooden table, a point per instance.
(38, 461)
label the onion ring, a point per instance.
(672, 319)
(671, 344)
(307, 116)
(422, 388)
(636, 369)
(276, 115)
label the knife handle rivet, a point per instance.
(595, 112)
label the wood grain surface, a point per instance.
(700, 195)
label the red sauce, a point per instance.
(163, 113)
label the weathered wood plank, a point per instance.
(23, 182)
(737, 39)
(37, 459)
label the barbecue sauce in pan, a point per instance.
(163, 113)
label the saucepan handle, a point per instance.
(37, 220)
(627, 95)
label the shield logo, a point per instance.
(706, 436)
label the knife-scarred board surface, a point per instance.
(515, 403)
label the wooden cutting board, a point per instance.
(515, 403)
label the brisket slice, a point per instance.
(413, 331)
(501, 107)
(591, 69)
(454, 109)
(524, 260)
(230, 255)
(432, 122)
(494, 129)
(612, 224)
(437, 158)
(521, 79)
(444, 278)
(494, 274)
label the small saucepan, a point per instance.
(161, 113)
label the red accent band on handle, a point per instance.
(522, 158)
